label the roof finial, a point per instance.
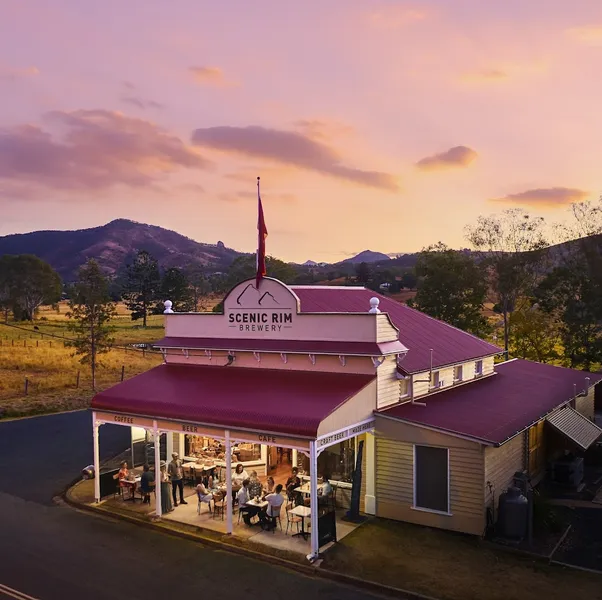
(374, 302)
(168, 304)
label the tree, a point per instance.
(363, 272)
(409, 280)
(245, 267)
(176, 287)
(511, 246)
(91, 310)
(451, 288)
(142, 285)
(35, 283)
(534, 335)
(200, 287)
(7, 284)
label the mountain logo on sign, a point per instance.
(266, 299)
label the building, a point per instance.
(331, 373)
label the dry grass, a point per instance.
(452, 567)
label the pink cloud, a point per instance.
(12, 74)
(456, 157)
(289, 148)
(142, 103)
(92, 150)
(212, 76)
(545, 197)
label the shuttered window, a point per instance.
(431, 478)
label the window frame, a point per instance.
(408, 382)
(458, 369)
(478, 372)
(447, 513)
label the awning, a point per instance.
(277, 401)
(575, 426)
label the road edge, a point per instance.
(307, 570)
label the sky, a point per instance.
(373, 124)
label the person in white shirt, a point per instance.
(324, 491)
(238, 477)
(275, 501)
(247, 512)
(203, 495)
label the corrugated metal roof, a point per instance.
(292, 346)
(275, 401)
(499, 406)
(575, 426)
(417, 331)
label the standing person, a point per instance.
(166, 505)
(176, 474)
(238, 477)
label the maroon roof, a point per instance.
(276, 401)
(417, 331)
(499, 406)
(269, 345)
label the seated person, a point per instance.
(247, 512)
(270, 485)
(255, 487)
(122, 475)
(324, 491)
(207, 478)
(275, 501)
(291, 483)
(204, 495)
(147, 484)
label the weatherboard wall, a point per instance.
(585, 404)
(395, 477)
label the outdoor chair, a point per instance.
(291, 519)
(206, 500)
(274, 520)
(219, 506)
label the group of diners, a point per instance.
(254, 499)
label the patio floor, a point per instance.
(187, 514)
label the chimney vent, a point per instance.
(374, 302)
(168, 304)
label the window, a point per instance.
(338, 461)
(404, 387)
(431, 478)
(478, 368)
(435, 379)
(458, 373)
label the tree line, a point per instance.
(549, 298)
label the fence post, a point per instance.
(51, 344)
(25, 343)
(122, 372)
(26, 385)
(37, 343)
(77, 382)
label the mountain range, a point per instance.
(115, 244)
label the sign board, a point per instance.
(345, 434)
(269, 439)
(191, 428)
(269, 311)
(327, 528)
(124, 420)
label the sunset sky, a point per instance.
(373, 124)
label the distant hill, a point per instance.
(114, 245)
(366, 256)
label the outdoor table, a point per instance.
(131, 484)
(260, 504)
(303, 512)
(306, 488)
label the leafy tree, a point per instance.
(244, 267)
(409, 281)
(363, 272)
(91, 310)
(200, 287)
(7, 284)
(575, 299)
(35, 283)
(142, 286)
(534, 334)
(176, 287)
(511, 246)
(451, 288)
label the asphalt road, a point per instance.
(52, 552)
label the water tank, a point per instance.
(513, 514)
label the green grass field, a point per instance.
(39, 353)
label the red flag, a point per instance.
(262, 233)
